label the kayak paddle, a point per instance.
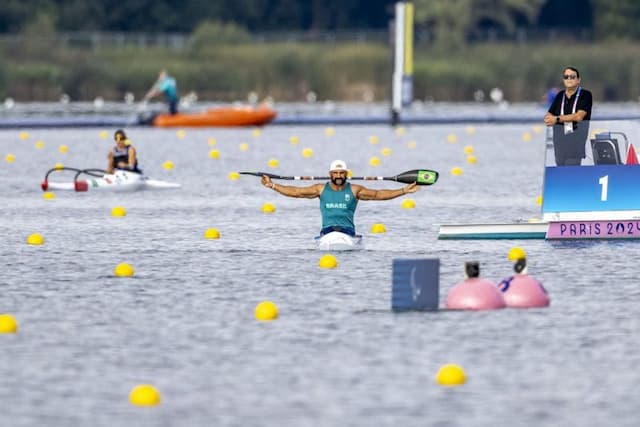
(419, 176)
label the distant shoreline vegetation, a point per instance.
(224, 64)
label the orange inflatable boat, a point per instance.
(223, 116)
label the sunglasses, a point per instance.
(568, 77)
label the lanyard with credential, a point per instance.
(575, 102)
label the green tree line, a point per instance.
(223, 62)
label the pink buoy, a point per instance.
(522, 290)
(474, 293)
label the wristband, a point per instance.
(558, 119)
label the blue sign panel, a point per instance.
(591, 188)
(416, 284)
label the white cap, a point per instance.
(338, 165)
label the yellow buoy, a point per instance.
(294, 140)
(144, 395)
(349, 173)
(63, 149)
(211, 233)
(468, 149)
(48, 195)
(181, 134)
(273, 163)
(212, 141)
(234, 176)
(378, 228)
(8, 324)
(266, 311)
(24, 135)
(214, 154)
(373, 139)
(168, 165)
(412, 144)
(471, 159)
(40, 144)
(58, 166)
(118, 211)
(452, 138)
(244, 146)
(386, 151)
(104, 134)
(123, 270)
(451, 375)
(268, 208)
(328, 261)
(9, 158)
(456, 171)
(374, 161)
(516, 253)
(35, 239)
(408, 204)
(307, 152)
(537, 129)
(470, 130)
(526, 137)
(539, 200)
(329, 131)
(400, 131)
(256, 133)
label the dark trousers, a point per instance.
(173, 107)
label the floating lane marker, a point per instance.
(408, 204)
(123, 270)
(266, 311)
(118, 211)
(211, 233)
(35, 239)
(378, 228)
(8, 324)
(451, 375)
(268, 208)
(144, 395)
(328, 261)
(168, 165)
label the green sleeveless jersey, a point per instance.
(338, 207)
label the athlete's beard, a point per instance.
(338, 181)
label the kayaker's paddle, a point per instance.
(419, 176)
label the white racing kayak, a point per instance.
(337, 241)
(97, 179)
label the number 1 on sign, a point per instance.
(604, 182)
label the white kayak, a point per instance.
(337, 241)
(120, 180)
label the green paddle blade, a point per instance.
(420, 176)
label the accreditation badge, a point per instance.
(568, 128)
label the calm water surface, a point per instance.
(337, 355)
